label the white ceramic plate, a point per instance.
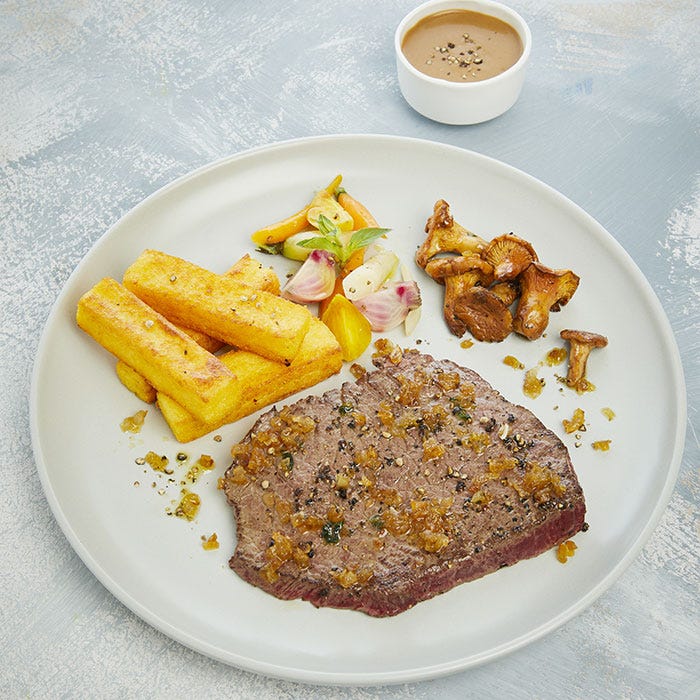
(155, 564)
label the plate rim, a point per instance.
(362, 678)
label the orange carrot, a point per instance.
(359, 212)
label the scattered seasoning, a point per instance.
(210, 543)
(181, 457)
(159, 463)
(601, 445)
(330, 531)
(566, 550)
(204, 463)
(357, 370)
(513, 362)
(217, 438)
(576, 422)
(608, 413)
(459, 411)
(488, 423)
(555, 356)
(287, 461)
(173, 278)
(133, 424)
(137, 483)
(347, 577)
(376, 522)
(532, 384)
(466, 344)
(188, 506)
(148, 323)
(385, 348)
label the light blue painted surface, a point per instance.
(103, 103)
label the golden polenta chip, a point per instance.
(166, 357)
(262, 381)
(219, 305)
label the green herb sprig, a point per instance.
(332, 239)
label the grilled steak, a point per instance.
(397, 487)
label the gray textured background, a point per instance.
(102, 103)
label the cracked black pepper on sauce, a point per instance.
(462, 46)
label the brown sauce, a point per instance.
(462, 46)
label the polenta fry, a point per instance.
(165, 356)
(262, 381)
(253, 273)
(136, 383)
(246, 270)
(218, 305)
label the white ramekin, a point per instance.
(462, 103)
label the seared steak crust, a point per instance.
(390, 490)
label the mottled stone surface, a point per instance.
(104, 102)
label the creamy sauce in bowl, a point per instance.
(462, 46)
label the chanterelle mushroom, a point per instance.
(542, 290)
(509, 255)
(507, 292)
(484, 314)
(458, 274)
(445, 235)
(580, 345)
(442, 268)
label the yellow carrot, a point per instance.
(280, 231)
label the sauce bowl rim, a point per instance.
(482, 6)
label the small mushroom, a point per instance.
(542, 290)
(442, 268)
(445, 235)
(509, 255)
(580, 345)
(486, 316)
(458, 274)
(507, 291)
